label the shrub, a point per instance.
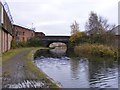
(13, 44)
(95, 50)
(34, 42)
(22, 44)
(75, 38)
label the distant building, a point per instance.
(116, 32)
(5, 30)
(22, 34)
(94, 31)
(39, 34)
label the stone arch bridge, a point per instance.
(47, 40)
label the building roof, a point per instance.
(23, 27)
(39, 33)
(116, 30)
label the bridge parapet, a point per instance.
(56, 38)
(51, 39)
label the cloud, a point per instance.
(105, 5)
(50, 23)
(59, 29)
(55, 16)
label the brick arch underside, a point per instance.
(48, 43)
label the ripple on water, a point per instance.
(28, 84)
(104, 81)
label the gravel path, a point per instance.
(14, 74)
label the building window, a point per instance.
(23, 33)
(23, 39)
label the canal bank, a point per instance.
(19, 71)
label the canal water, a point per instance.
(77, 72)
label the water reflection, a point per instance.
(103, 73)
(58, 51)
(78, 72)
(74, 68)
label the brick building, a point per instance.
(5, 30)
(39, 34)
(22, 34)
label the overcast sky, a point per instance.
(54, 17)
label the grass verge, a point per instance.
(9, 54)
(32, 67)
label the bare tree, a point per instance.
(97, 24)
(74, 28)
(104, 24)
(98, 29)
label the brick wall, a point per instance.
(39, 34)
(22, 34)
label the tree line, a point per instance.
(97, 30)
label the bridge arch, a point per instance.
(49, 43)
(51, 39)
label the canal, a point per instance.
(77, 72)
